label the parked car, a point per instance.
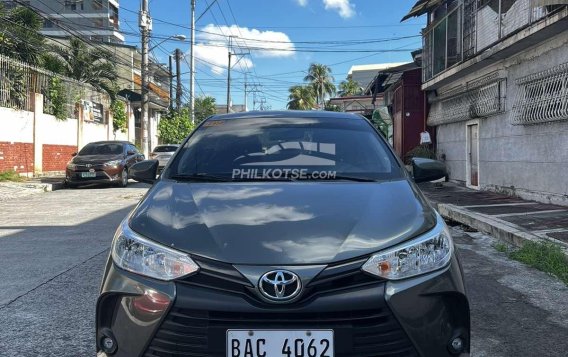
(284, 234)
(163, 153)
(102, 162)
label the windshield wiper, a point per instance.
(350, 178)
(200, 177)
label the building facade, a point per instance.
(94, 20)
(496, 77)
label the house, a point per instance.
(496, 77)
(401, 92)
(364, 73)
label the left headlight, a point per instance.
(113, 163)
(134, 253)
(431, 251)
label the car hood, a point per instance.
(283, 223)
(95, 159)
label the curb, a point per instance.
(497, 228)
(46, 187)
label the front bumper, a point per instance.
(414, 317)
(102, 175)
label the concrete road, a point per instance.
(53, 247)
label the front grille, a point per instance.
(335, 277)
(362, 333)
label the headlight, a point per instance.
(71, 166)
(113, 163)
(132, 252)
(421, 255)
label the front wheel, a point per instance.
(124, 178)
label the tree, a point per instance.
(119, 117)
(301, 98)
(19, 37)
(321, 80)
(204, 107)
(175, 126)
(349, 87)
(86, 65)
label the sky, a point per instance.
(274, 41)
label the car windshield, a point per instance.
(165, 148)
(286, 149)
(101, 149)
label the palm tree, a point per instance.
(319, 76)
(87, 65)
(301, 98)
(349, 87)
(19, 36)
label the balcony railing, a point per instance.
(473, 26)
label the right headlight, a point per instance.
(431, 251)
(71, 166)
(132, 252)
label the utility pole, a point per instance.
(246, 109)
(178, 79)
(229, 78)
(171, 82)
(145, 23)
(192, 65)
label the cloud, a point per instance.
(212, 47)
(343, 7)
(302, 2)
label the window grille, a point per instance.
(542, 97)
(480, 98)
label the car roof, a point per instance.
(316, 114)
(111, 142)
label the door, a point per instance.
(473, 155)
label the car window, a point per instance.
(132, 148)
(249, 148)
(165, 148)
(102, 149)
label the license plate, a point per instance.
(280, 343)
(88, 174)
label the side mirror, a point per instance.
(74, 154)
(144, 171)
(424, 170)
(130, 153)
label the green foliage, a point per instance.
(349, 87)
(547, 257)
(301, 98)
(16, 87)
(500, 247)
(204, 108)
(320, 78)
(87, 65)
(332, 107)
(175, 126)
(119, 117)
(10, 175)
(420, 151)
(57, 98)
(19, 36)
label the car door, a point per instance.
(138, 156)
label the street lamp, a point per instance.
(176, 37)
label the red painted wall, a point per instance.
(20, 155)
(56, 157)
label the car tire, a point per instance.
(123, 178)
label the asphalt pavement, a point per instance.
(53, 247)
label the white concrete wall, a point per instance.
(530, 161)
(94, 132)
(16, 126)
(57, 132)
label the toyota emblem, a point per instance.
(280, 285)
